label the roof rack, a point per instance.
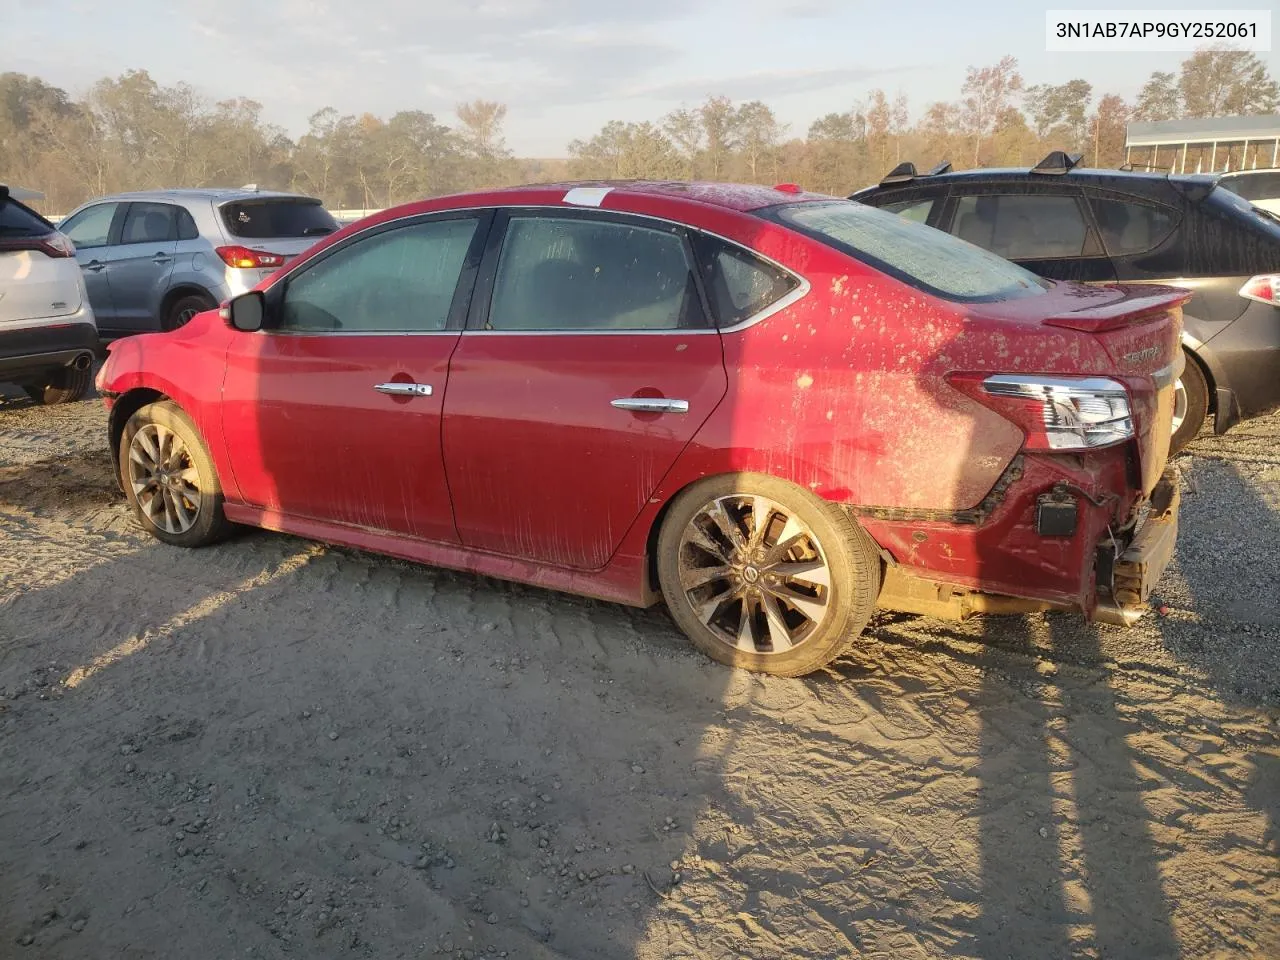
(906, 171)
(1057, 163)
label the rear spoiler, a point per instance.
(906, 172)
(1133, 308)
(1057, 163)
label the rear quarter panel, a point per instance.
(845, 392)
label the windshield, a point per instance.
(276, 219)
(921, 256)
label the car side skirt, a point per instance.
(622, 581)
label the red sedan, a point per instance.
(770, 409)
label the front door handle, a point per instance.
(405, 389)
(651, 405)
(95, 266)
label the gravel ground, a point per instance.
(275, 749)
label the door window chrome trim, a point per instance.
(795, 296)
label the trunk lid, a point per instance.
(34, 285)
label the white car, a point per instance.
(47, 332)
(1259, 187)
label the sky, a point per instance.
(563, 67)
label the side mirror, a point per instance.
(245, 312)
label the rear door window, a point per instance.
(1023, 226)
(277, 219)
(1130, 228)
(150, 223)
(91, 227)
(920, 256)
(914, 210)
(592, 275)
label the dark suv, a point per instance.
(1100, 226)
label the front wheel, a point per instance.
(763, 575)
(1190, 405)
(169, 478)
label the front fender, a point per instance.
(186, 366)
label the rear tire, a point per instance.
(1192, 401)
(745, 598)
(66, 386)
(183, 309)
(169, 478)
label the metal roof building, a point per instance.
(1204, 146)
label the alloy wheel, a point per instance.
(164, 479)
(1179, 404)
(754, 574)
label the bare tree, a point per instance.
(987, 92)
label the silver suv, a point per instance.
(152, 260)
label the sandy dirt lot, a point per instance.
(275, 749)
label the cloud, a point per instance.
(761, 85)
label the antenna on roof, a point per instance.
(900, 174)
(250, 186)
(1058, 162)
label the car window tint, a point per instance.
(283, 218)
(90, 227)
(399, 281)
(916, 210)
(920, 256)
(577, 274)
(739, 284)
(1022, 227)
(186, 226)
(1129, 228)
(150, 223)
(17, 221)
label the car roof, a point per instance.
(214, 194)
(1118, 179)
(739, 197)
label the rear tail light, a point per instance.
(56, 245)
(245, 259)
(1264, 289)
(1057, 413)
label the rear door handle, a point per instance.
(95, 266)
(651, 405)
(405, 389)
(162, 258)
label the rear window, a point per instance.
(277, 219)
(919, 256)
(17, 221)
(1253, 186)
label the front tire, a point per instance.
(169, 478)
(765, 576)
(1190, 405)
(66, 386)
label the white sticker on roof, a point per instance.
(587, 196)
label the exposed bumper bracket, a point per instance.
(1138, 569)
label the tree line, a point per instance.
(130, 133)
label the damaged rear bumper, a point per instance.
(1126, 578)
